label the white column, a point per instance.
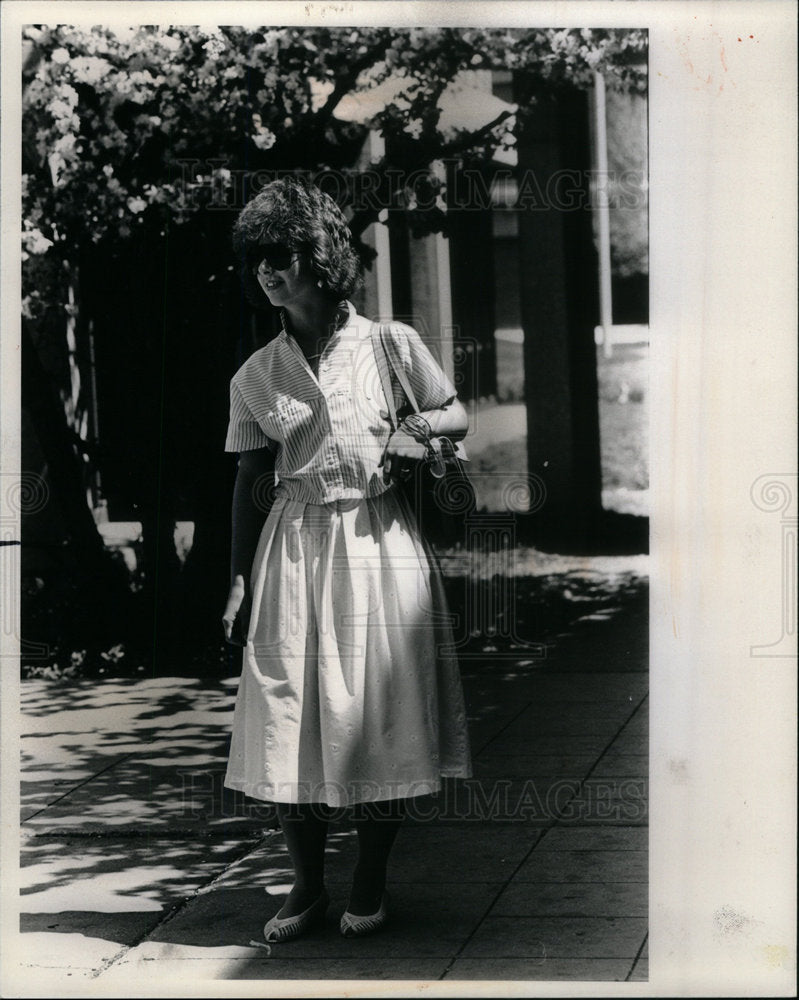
(603, 213)
(445, 305)
(385, 305)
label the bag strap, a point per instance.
(386, 363)
(383, 368)
(396, 366)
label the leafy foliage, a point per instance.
(146, 127)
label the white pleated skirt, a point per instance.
(350, 690)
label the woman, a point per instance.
(350, 693)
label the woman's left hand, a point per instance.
(401, 455)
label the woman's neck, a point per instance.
(312, 323)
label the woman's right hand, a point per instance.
(402, 453)
(236, 616)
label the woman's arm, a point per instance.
(449, 421)
(247, 519)
(248, 509)
(433, 390)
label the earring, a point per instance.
(320, 283)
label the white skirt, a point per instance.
(350, 689)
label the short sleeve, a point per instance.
(244, 433)
(431, 385)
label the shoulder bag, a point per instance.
(438, 491)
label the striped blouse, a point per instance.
(328, 431)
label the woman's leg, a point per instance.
(377, 825)
(305, 830)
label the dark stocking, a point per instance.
(305, 830)
(377, 825)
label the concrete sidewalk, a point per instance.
(139, 868)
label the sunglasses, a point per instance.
(277, 256)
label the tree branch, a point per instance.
(426, 153)
(464, 142)
(345, 83)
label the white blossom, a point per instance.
(214, 47)
(170, 42)
(264, 139)
(90, 69)
(35, 242)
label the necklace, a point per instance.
(341, 317)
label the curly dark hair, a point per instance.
(294, 211)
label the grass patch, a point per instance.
(623, 425)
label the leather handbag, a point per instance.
(438, 490)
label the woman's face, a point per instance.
(286, 277)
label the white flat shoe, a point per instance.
(286, 928)
(355, 925)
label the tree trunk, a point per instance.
(559, 299)
(471, 242)
(101, 583)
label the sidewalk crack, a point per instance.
(616, 735)
(499, 732)
(177, 908)
(74, 788)
(637, 958)
(490, 906)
